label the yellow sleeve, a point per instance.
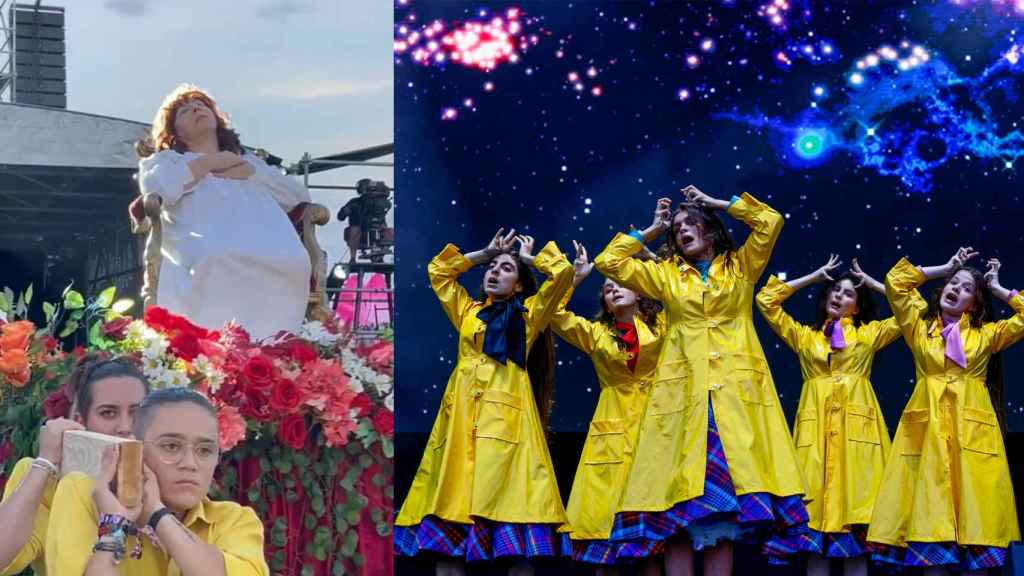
(901, 290)
(644, 277)
(1003, 333)
(542, 306)
(769, 301)
(574, 329)
(444, 271)
(72, 534)
(33, 548)
(239, 537)
(765, 225)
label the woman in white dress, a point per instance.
(229, 250)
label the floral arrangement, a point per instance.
(304, 418)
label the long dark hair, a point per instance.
(981, 312)
(540, 358)
(647, 307)
(712, 227)
(867, 309)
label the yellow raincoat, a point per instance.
(608, 450)
(841, 439)
(487, 455)
(711, 330)
(947, 479)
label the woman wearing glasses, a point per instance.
(229, 249)
(99, 536)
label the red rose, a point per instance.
(259, 372)
(362, 404)
(286, 396)
(50, 343)
(384, 423)
(302, 353)
(115, 329)
(292, 431)
(57, 405)
(185, 346)
(78, 352)
(254, 405)
(157, 318)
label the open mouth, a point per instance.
(687, 239)
(834, 306)
(951, 298)
(617, 298)
(492, 283)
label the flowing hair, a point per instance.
(162, 135)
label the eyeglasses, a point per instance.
(173, 451)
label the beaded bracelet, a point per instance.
(113, 531)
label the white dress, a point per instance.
(229, 250)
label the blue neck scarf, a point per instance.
(505, 338)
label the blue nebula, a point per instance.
(907, 122)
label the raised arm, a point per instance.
(769, 302)
(576, 330)
(901, 290)
(765, 226)
(1003, 333)
(541, 307)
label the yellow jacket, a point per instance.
(487, 455)
(711, 331)
(947, 479)
(31, 554)
(841, 439)
(608, 450)
(233, 529)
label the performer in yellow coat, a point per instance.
(624, 343)
(946, 498)
(485, 487)
(842, 442)
(715, 458)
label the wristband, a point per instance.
(155, 517)
(46, 466)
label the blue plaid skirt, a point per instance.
(608, 553)
(948, 554)
(480, 541)
(718, 514)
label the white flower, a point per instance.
(314, 331)
(214, 379)
(136, 331)
(172, 379)
(202, 364)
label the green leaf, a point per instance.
(5, 303)
(95, 333)
(378, 480)
(28, 295)
(308, 570)
(76, 315)
(310, 522)
(388, 447)
(48, 311)
(67, 289)
(123, 305)
(254, 494)
(73, 300)
(69, 329)
(106, 298)
(358, 559)
(348, 548)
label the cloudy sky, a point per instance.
(296, 76)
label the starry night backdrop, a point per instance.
(878, 129)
